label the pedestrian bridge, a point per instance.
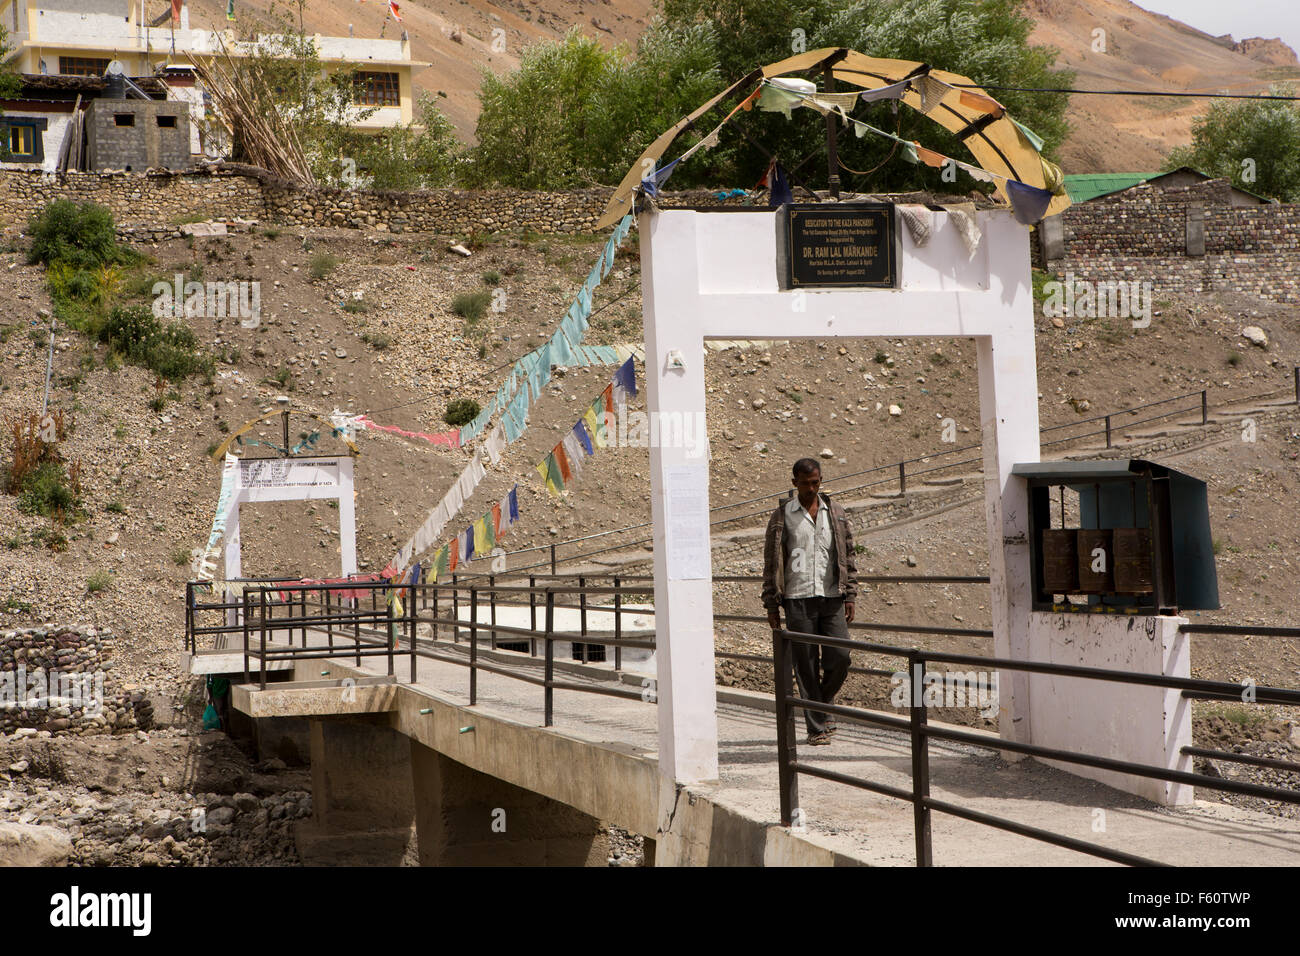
(438, 748)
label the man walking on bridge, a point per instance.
(808, 569)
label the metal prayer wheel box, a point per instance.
(1061, 560)
(1133, 561)
(1096, 561)
(1126, 536)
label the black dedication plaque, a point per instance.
(840, 245)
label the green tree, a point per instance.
(575, 114)
(423, 155)
(1256, 145)
(987, 40)
(532, 125)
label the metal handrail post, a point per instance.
(455, 610)
(393, 595)
(244, 615)
(492, 603)
(329, 617)
(902, 478)
(618, 626)
(262, 595)
(553, 560)
(1205, 407)
(582, 614)
(189, 618)
(788, 780)
(356, 625)
(473, 646)
(532, 614)
(435, 613)
(920, 762)
(550, 657)
(412, 625)
(1107, 431)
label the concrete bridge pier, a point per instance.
(468, 818)
(363, 808)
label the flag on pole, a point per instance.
(395, 10)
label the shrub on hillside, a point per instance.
(80, 234)
(461, 411)
(472, 305)
(170, 351)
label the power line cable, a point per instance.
(1192, 95)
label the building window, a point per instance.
(124, 119)
(378, 89)
(82, 66)
(22, 139)
(167, 122)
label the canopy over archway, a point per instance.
(994, 139)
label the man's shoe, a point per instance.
(819, 740)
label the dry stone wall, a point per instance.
(1142, 235)
(54, 679)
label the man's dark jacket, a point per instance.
(774, 554)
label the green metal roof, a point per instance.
(1085, 186)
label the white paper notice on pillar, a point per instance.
(687, 522)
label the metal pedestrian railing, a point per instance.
(920, 732)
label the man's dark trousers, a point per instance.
(824, 616)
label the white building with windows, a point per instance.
(82, 38)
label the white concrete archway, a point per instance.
(713, 274)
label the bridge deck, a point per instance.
(861, 825)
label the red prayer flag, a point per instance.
(929, 156)
(496, 520)
(455, 554)
(395, 10)
(563, 461)
(176, 10)
(608, 396)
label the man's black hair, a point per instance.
(806, 466)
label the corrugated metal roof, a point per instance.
(1085, 186)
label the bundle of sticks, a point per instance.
(246, 104)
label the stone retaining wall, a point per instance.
(150, 205)
(64, 672)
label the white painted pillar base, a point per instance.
(1146, 725)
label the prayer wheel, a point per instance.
(1133, 567)
(1100, 581)
(1060, 560)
